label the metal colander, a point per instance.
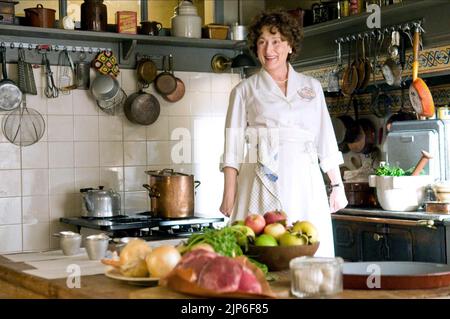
(23, 126)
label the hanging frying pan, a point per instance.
(146, 71)
(350, 77)
(178, 94)
(165, 82)
(142, 108)
(419, 93)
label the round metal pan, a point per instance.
(395, 275)
(142, 108)
(10, 94)
(165, 82)
(146, 71)
(178, 94)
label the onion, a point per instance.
(162, 260)
(132, 258)
(204, 246)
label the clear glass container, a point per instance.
(316, 276)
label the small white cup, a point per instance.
(97, 246)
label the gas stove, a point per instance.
(144, 225)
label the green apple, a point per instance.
(308, 229)
(275, 230)
(265, 240)
(243, 234)
(293, 239)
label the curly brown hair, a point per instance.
(277, 20)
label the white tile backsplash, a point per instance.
(63, 105)
(64, 205)
(35, 209)
(158, 131)
(35, 156)
(158, 153)
(61, 181)
(86, 154)
(135, 177)
(87, 177)
(36, 237)
(10, 211)
(9, 156)
(111, 153)
(60, 154)
(135, 153)
(60, 128)
(11, 238)
(85, 128)
(34, 182)
(110, 128)
(84, 147)
(112, 177)
(10, 183)
(84, 103)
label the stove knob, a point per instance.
(377, 237)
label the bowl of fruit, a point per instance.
(275, 244)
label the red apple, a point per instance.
(275, 216)
(256, 222)
(275, 230)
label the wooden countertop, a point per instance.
(14, 283)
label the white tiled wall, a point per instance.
(84, 147)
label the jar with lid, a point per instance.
(316, 276)
(94, 15)
(443, 112)
(185, 22)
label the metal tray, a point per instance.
(395, 275)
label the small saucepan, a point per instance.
(165, 82)
(142, 108)
(10, 94)
(178, 94)
(146, 71)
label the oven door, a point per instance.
(360, 238)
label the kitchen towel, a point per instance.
(62, 268)
(46, 255)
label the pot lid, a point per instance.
(165, 172)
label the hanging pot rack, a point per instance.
(377, 33)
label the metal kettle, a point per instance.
(99, 202)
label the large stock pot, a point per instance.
(171, 193)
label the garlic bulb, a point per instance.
(308, 280)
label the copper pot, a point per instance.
(171, 193)
(40, 17)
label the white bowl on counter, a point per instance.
(400, 193)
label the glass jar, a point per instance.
(443, 112)
(94, 15)
(185, 22)
(316, 276)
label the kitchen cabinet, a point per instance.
(389, 239)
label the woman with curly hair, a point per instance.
(278, 135)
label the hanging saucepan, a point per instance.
(178, 94)
(365, 134)
(419, 94)
(342, 127)
(165, 82)
(146, 71)
(402, 114)
(142, 108)
(350, 77)
(10, 94)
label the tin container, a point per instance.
(316, 276)
(97, 246)
(69, 242)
